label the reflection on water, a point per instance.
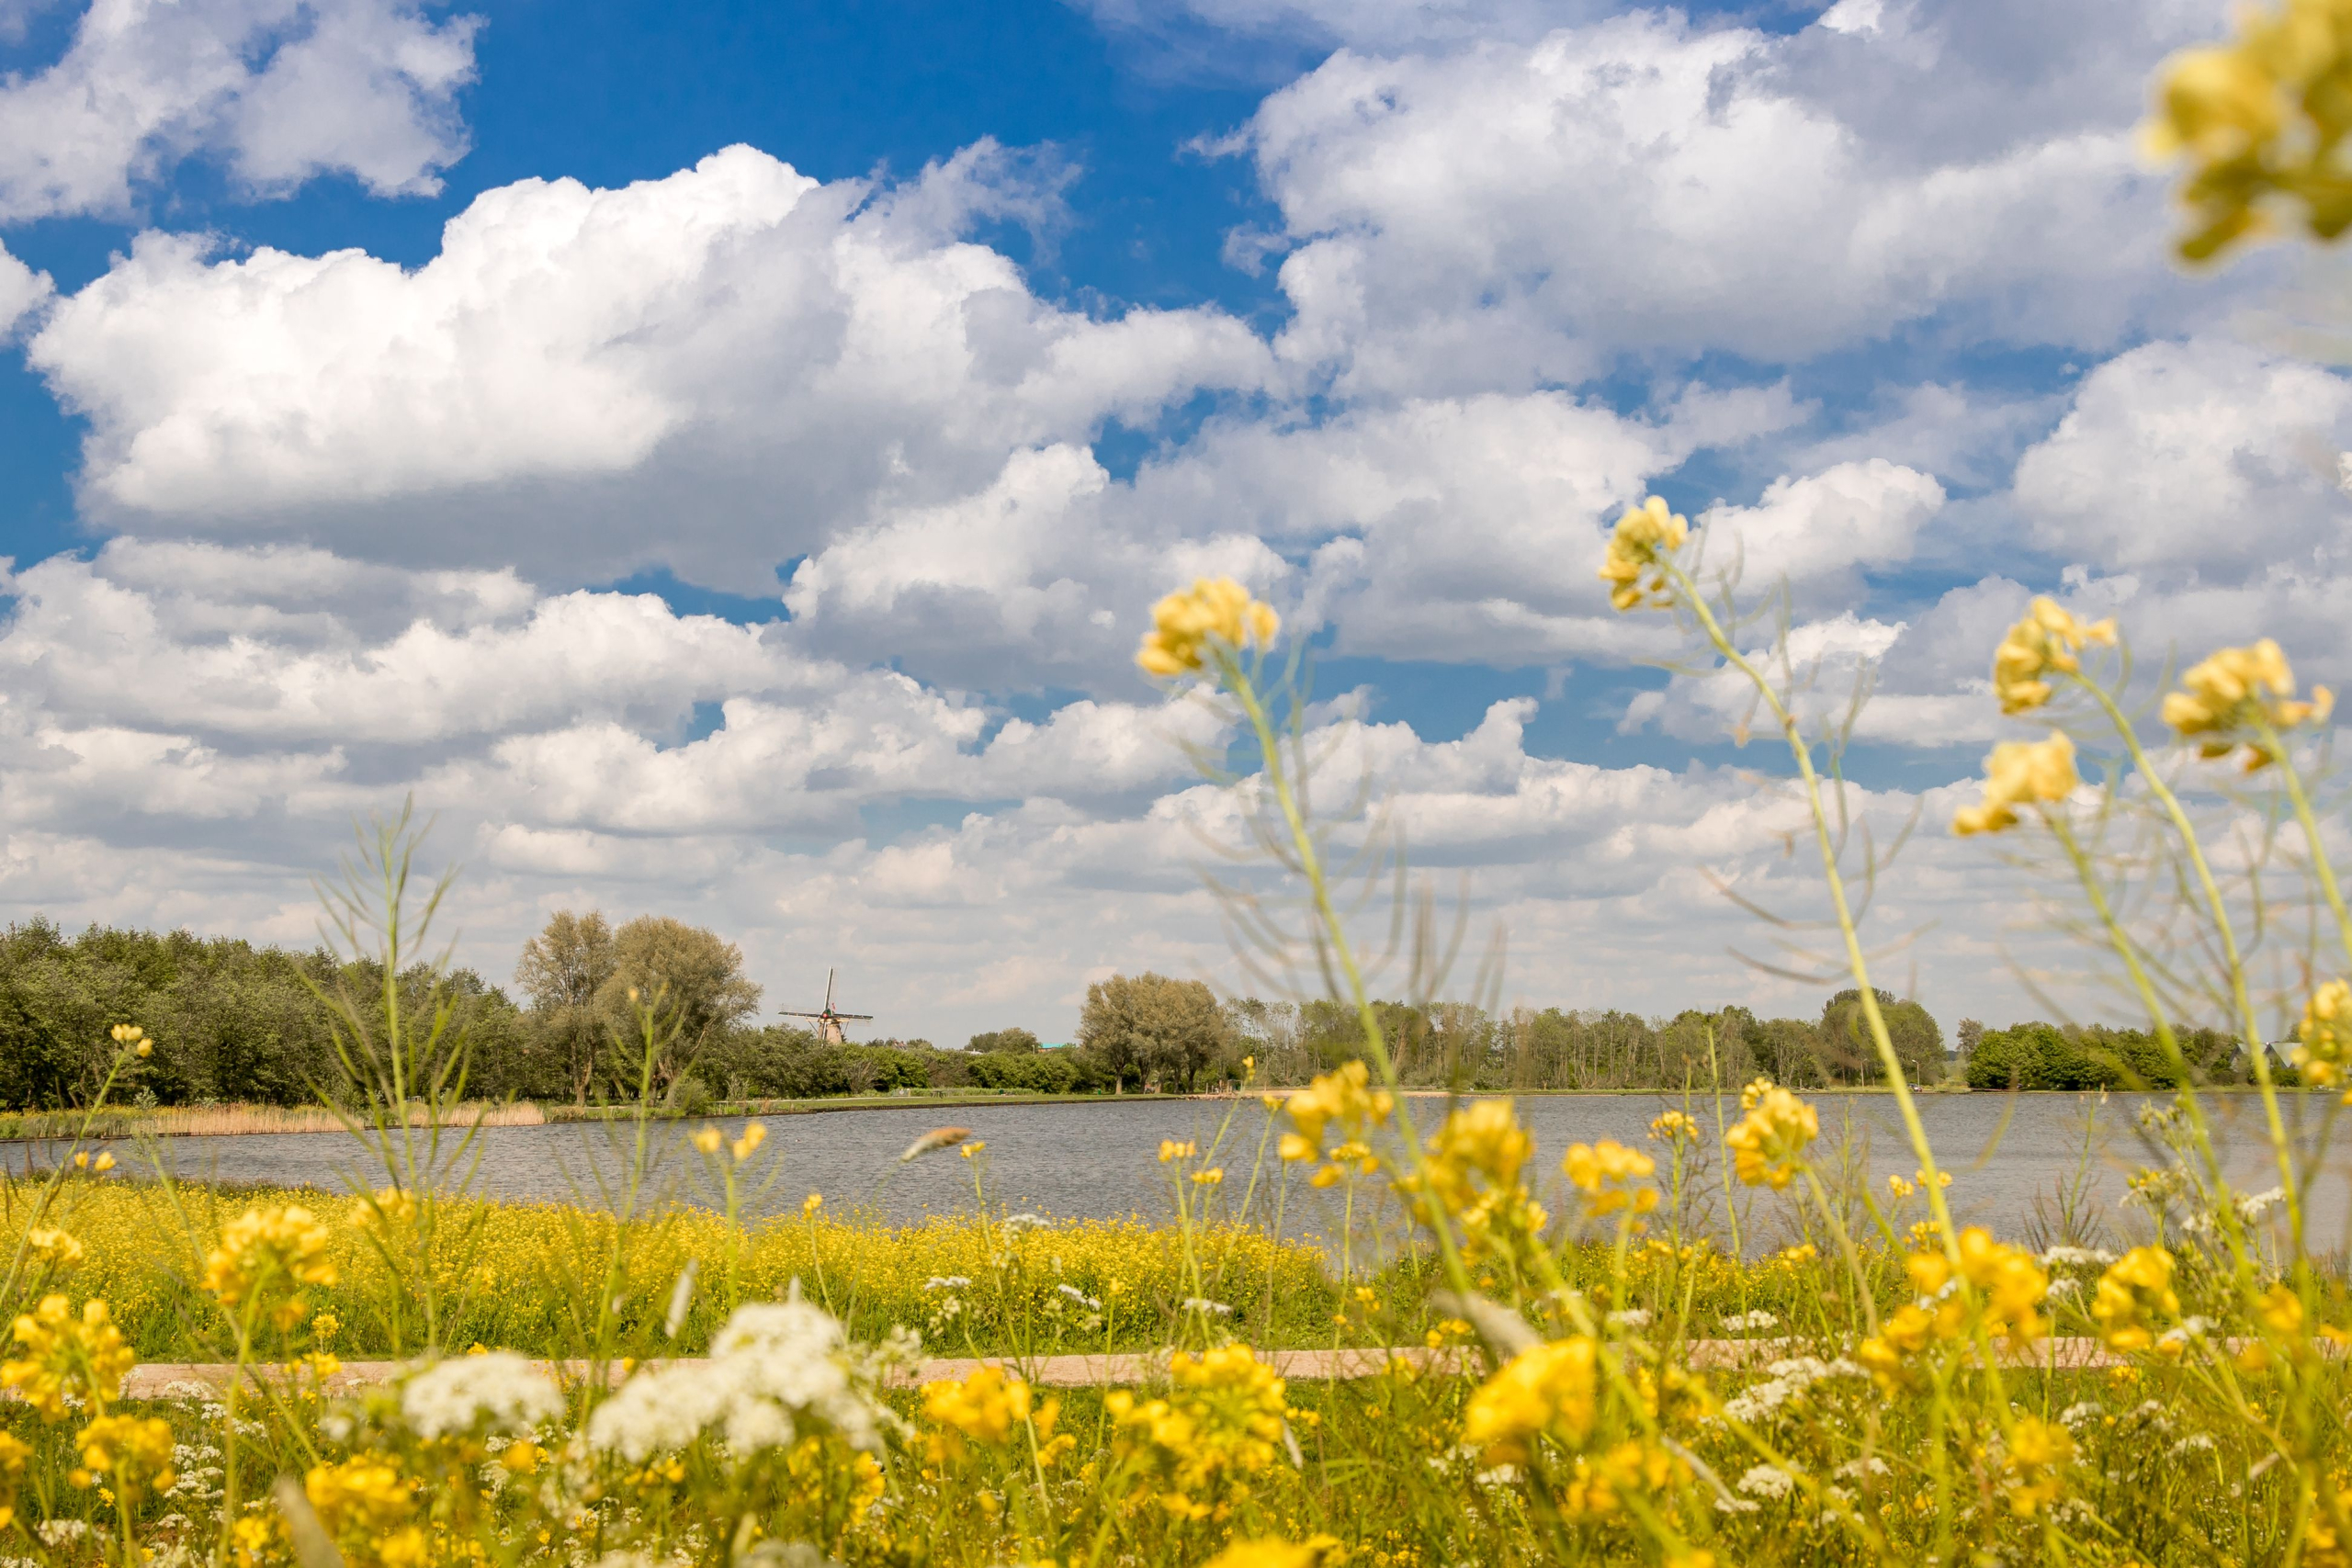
(1099, 1159)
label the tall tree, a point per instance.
(693, 977)
(562, 970)
(1149, 1025)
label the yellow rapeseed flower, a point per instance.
(708, 1139)
(1315, 1552)
(1186, 625)
(2135, 1291)
(1768, 1146)
(1673, 1125)
(2009, 1285)
(1599, 1483)
(64, 1356)
(2259, 122)
(2038, 1452)
(1550, 1388)
(743, 1148)
(368, 1506)
(271, 1251)
(1221, 1421)
(1604, 1173)
(2324, 1036)
(2228, 699)
(132, 1453)
(986, 1408)
(2020, 772)
(1645, 539)
(1473, 1175)
(2048, 642)
(54, 1246)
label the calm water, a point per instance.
(1099, 1160)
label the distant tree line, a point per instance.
(234, 1022)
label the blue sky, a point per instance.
(720, 459)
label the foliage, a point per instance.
(1149, 1028)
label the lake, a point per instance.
(1099, 1159)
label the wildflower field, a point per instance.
(1593, 1364)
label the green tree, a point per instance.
(1148, 1026)
(1846, 1043)
(694, 976)
(1004, 1040)
(563, 970)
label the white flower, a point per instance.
(2065, 1287)
(1206, 1308)
(774, 1366)
(1080, 1297)
(1016, 1223)
(946, 1282)
(500, 1388)
(1767, 1480)
(1855, 1468)
(1745, 1320)
(2078, 1414)
(2254, 1204)
(60, 1532)
(2077, 1256)
(1630, 1318)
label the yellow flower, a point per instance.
(386, 1206)
(1551, 1388)
(2326, 1034)
(1295, 1149)
(1673, 1125)
(986, 1408)
(975, 1147)
(2238, 691)
(1902, 1335)
(1193, 1450)
(1342, 1095)
(1213, 1177)
(2038, 1451)
(2009, 1285)
(1634, 567)
(2048, 642)
(1170, 1150)
(365, 1504)
(264, 1251)
(1213, 612)
(1899, 1188)
(134, 1453)
(812, 1203)
(1315, 1552)
(1604, 1173)
(2280, 1311)
(104, 1163)
(2020, 772)
(52, 1246)
(64, 1356)
(1473, 1175)
(1601, 1481)
(2136, 1288)
(708, 1139)
(743, 1148)
(1768, 1146)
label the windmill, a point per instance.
(829, 1023)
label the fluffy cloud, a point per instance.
(2204, 456)
(280, 90)
(1511, 213)
(773, 358)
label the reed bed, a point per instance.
(233, 1120)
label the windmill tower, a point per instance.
(828, 1021)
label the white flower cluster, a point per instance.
(1013, 1225)
(1767, 1480)
(1206, 1308)
(2076, 1257)
(2253, 1205)
(2078, 1414)
(946, 1282)
(774, 1366)
(1630, 1318)
(1741, 1322)
(1080, 1297)
(1856, 1469)
(502, 1389)
(1785, 1381)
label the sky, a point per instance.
(719, 460)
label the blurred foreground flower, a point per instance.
(2020, 772)
(1646, 537)
(1768, 1146)
(2242, 696)
(1185, 623)
(2324, 1035)
(2048, 642)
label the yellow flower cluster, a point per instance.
(1674, 1125)
(1599, 1483)
(1768, 1146)
(47, 1244)
(368, 1507)
(131, 1453)
(2049, 641)
(1315, 1552)
(1646, 537)
(2261, 121)
(2324, 1036)
(2020, 772)
(2238, 691)
(986, 1408)
(264, 1250)
(1549, 1389)
(2038, 1453)
(2007, 1289)
(83, 1358)
(1220, 1423)
(1473, 1175)
(14, 1452)
(1344, 1096)
(2135, 1291)
(1214, 612)
(1605, 1172)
